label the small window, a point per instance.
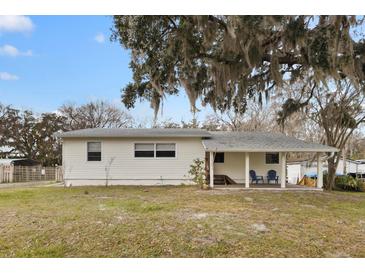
(94, 151)
(219, 157)
(165, 150)
(144, 150)
(272, 158)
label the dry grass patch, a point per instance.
(179, 222)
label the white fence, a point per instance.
(10, 173)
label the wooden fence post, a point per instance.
(11, 173)
(1, 174)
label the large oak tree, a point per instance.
(226, 60)
(23, 134)
(337, 108)
(223, 60)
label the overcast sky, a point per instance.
(46, 61)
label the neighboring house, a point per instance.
(296, 170)
(163, 156)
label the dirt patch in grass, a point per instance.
(260, 228)
(179, 222)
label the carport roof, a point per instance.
(259, 142)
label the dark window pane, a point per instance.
(144, 154)
(166, 153)
(272, 158)
(219, 157)
(94, 156)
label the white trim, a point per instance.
(319, 172)
(247, 170)
(205, 148)
(159, 142)
(146, 143)
(101, 151)
(211, 169)
(283, 170)
(271, 150)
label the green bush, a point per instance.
(197, 171)
(361, 186)
(348, 183)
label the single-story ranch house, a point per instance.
(163, 156)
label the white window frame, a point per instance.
(154, 149)
(163, 143)
(144, 143)
(87, 151)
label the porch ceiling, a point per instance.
(260, 142)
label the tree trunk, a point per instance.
(332, 167)
(207, 168)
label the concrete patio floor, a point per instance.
(276, 187)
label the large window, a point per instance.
(272, 158)
(144, 150)
(165, 150)
(152, 150)
(94, 151)
(219, 157)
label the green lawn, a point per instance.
(179, 222)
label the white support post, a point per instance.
(319, 171)
(211, 169)
(283, 170)
(247, 170)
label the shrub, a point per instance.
(348, 183)
(361, 186)
(197, 172)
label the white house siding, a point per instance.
(125, 169)
(234, 165)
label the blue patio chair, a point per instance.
(256, 178)
(271, 176)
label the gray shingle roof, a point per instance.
(133, 132)
(260, 142)
(212, 141)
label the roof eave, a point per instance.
(271, 150)
(131, 136)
